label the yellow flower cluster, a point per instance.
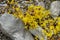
(38, 16)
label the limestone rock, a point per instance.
(23, 35)
(55, 8)
(14, 27)
(39, 33)
(10, 24)
(41, 4)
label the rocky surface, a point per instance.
(14, 28)
(55, 8)
(39, 33)
(4, 37)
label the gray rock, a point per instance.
(3, 5)
(39, 33)
(55, 8)
(23, 35)
(8, 21)
(14, 27)
(41, 4)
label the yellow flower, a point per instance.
(30, 8)
(58, 18)
(36, 37)
(49, 34)
(58, 28)
(51, 27)
(55, 31)
(58, 22)
(39, 13)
